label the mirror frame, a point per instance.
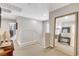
(76, 30)
(0, 17)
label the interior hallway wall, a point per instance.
(29, 31)
(62, 11)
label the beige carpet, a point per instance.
(36, 50)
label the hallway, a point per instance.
(41, 26)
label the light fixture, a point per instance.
(34, 21)
(44, 14)
(66, 17)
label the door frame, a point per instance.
(76, 30)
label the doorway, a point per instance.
(12, 30)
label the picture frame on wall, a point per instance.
(65, 29)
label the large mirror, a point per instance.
(66, 33)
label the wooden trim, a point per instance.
(76, 34)
(0, 17)
(54, 32)
(66, 15)
(76, 24)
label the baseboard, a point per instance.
(27, 43)
(51, 45)
(18, 42)
(44, 46)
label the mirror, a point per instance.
(65, 33)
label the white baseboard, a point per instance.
(51, 45)
(26, 43)
(19, 43)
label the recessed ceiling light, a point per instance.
(66, 17)
(34, 21)
(44, 15)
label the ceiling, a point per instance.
(38, 11)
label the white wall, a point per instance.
(45, 26)
(29, 31)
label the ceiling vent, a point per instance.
(6, 10)
(11, 7)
